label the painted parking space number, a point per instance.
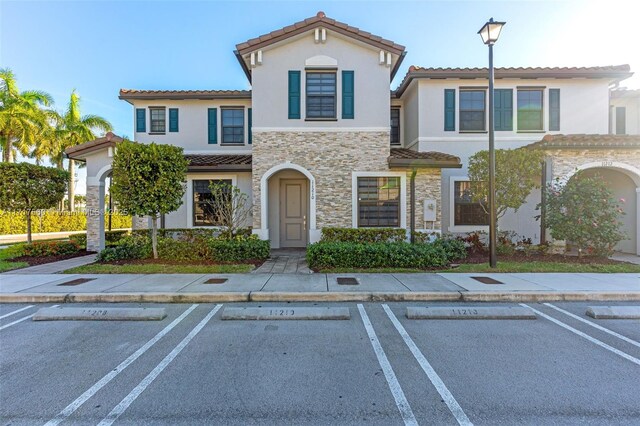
(282, 312)
(464, 311)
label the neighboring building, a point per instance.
(321, 141)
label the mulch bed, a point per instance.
(40, 260)
(152, 261)
(475, 257)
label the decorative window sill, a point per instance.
(157, 133)
(530, 131)
(473, 131)
(232, 144)
(320, 119)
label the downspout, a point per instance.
(413, 205)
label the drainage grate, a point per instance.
(77, 281)
(347, 281)
(216, 281)
(487, 280)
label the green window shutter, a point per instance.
(503, 109)
(173, 119)
(348, 99)
(213, 125)
(449, 110)
(294, 94)
(554, 109)
(249, 123)
(141, 120)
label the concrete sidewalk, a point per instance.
(20, 287)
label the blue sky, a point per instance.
(98, 47)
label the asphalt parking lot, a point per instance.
(378, 367)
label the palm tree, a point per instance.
(21, 118)
(74, 129)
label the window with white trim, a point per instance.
(467, 211)
(158, 120)
(203, 207)
(379, 201)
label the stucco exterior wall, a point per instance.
(632, 116)
(192, 134)
(270, 82)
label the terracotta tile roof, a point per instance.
(625, 93)
(184, 94)
(79, 151)
(613, 72)
(310, 23)
(218, 162)
(587, 141)
(403, 157)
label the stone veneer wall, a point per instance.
(330, 157)
(565, 161)
(95, 219)
(427, 188)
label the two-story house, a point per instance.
(320, 140)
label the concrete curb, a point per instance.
(230, 297)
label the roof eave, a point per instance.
(417, 163)
(221, 167)
(243, 64)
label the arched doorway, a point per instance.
(288, 206)
(624, 181)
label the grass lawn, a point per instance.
(159, 268)
(505, 266)
(536, 266)
(7, 266)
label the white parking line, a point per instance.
(392, 380)
(71, 408)
(594, 325)
(448, 398)
(586, 336)
(21, 319)
(135, 393)
(16, 311)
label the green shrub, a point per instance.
(50, 248)
(364, 235)
(376, 255)
(454, 248)
(111, 238)
(420, 237)
(585, 213)
(238, 249)
(53, 221)
(130, 247)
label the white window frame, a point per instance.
(452, 208)
(403, 194)
(189, 192)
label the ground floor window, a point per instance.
(466, 211)
(203, 206)
(379, 201)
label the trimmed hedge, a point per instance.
(375, 255)
(129, 247)
(50, 248)
(110, 237)
(363, 235)
(190, 234)
(239, 249)
(53, 221)
(191, 248)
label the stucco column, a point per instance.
(95, 217)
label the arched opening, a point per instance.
(624, 181)
(288, 206)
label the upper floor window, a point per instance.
(395, 126)
(232, 125)
(378, 201)
(158, 119)
(530, 116)
(467, 211)
(472, 110)
(621, 124)
(321, 95)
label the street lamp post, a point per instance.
(490, 33)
